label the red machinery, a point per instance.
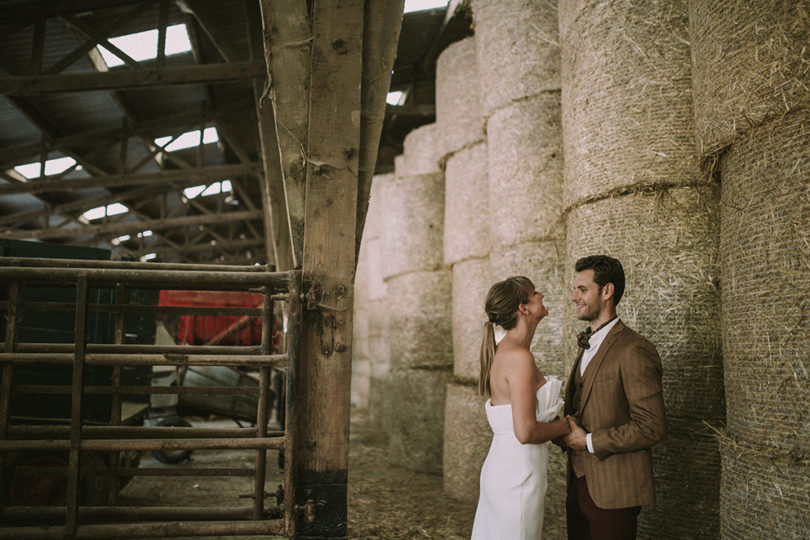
(215, 329)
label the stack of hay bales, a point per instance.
(466, 253)
(633, 190)
(519, 64)
(752, 115)
(417, 304)
(372, 307)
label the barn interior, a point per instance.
(229, 229)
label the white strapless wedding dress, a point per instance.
(514, 476)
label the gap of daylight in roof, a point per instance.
(30, 171)
(422, 5)
(395, 98)
(188, 139)
(142, 46)
(100, 211)
(205, 190)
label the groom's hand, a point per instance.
(576, 437)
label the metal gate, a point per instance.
(98, 439)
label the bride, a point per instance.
(522, 412)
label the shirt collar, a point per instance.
(599, 336)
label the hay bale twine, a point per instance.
(420, 320)
(413, 217)
(417, 419)
(525, 158)
(667, 243)
(466, 208)
(471, 282)
(458, 111)
(542, 262)
(763, 494)
(467, 437)
(626, 94)
(518, 50)
(422, 151)
(749, 64)
(766, 278)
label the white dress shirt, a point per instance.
(595, 341)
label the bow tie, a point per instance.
(584, 337)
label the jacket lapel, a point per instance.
(569, 385)
(596, 362)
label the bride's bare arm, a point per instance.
(522, 379)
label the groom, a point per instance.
(615, 407)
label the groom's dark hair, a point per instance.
(605, 270)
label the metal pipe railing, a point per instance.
(77, 438)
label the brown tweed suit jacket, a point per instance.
(621, 404)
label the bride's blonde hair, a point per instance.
(501, 308)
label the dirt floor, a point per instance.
(385, 502)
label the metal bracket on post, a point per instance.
(312, 295)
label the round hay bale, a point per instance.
(667, 244)
(542, 262)
(361, 380)
(471, 282)
(379, 355)
(467, 437)
(687, 483)
(518, 50)
(765, 221)
(749, 64)
(554, 526)
(466, 208)
(422, 151)
(420, 320)
(379, 407)
(373, 227)
(525, 156)
(417, 419)
(413, 221)
(627, 96)
(763, 494)
(458, 111)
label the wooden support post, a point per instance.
(380, 37)
(328, 265)
(276, 222)
(287, 48)
(80, 344)
(121, 297)
(8, 372)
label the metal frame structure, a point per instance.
(78, 436)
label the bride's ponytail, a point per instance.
(487, 354)
(501, 308)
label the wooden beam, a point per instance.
(271, 184)
(49, 8)
(179, 177)
(127, 78)
(287, 49)
(383, 22)
(131, 227)
(210, 27)
(329, 262)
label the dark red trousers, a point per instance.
(586, 521)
